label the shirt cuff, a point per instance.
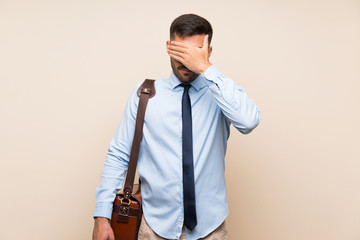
(103, 210)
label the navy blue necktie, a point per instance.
(188, 165)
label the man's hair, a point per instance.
(188, 25)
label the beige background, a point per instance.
(68, 67)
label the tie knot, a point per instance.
(185, 86)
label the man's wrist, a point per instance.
(205, 67)
(101, 219)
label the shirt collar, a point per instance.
(198, 83)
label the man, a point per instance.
(181, 161)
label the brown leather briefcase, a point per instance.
(127, 208)
(125, 221)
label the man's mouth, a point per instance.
(184, 69)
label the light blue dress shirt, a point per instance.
(216, 103)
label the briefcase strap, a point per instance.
(145, 92)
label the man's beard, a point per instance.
(191, 76)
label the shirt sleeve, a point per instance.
(237, 107)
(117, 159)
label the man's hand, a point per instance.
(194, 58)
(102, 230)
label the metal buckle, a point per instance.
(146, 90)
(121, 201)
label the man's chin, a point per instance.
(187, 78)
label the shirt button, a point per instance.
(181, 218)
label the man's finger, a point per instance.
(180, 44)
(176, 54)
(177, 49)
(177, 58)
(112, 237)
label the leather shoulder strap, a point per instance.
(145, 92)
(147, 87)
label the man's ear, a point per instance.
(210, 51)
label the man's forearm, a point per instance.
(117, 159)
(237, 107)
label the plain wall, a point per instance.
(67, 69)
